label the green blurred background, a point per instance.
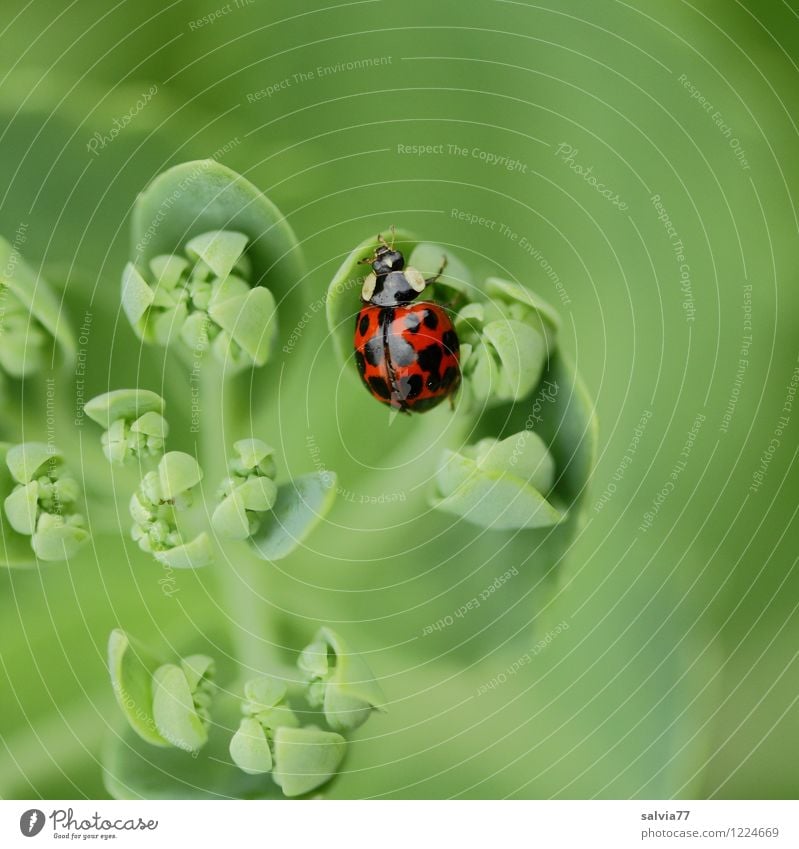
(677, 674)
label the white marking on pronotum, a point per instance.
(369, 286)
(415, 278)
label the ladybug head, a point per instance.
(386, 259)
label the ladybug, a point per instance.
(407, 353)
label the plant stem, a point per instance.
(241, 575)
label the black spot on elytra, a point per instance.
(363, 326)
(412, 322)
(359, 361)
(429, 358)
(379, 387)
(409, 387)
(449, 377)
(450, 340)
(373, 350)
(431, 319)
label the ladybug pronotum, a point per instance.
(407, 353)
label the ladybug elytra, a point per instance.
(407, 353)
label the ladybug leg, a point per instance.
(434, 278)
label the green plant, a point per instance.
(212, 260)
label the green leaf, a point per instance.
(37, 298)
(504, 290)
(178, 472)
(137, 298)
(251, 322)
(22, 508)
(456, 279)
(132, 667)
(194, 554)
(125, 404)
(25, 461)
(252, 452)
(300, 505)
(59, 542)
(263, 693)
(151, 424)
(562, 415)
(132, 769)
(305, 758)
(15, 548)
(351, 692)
(499, 484)
(230, 518)
(220, 250)
(175, 715)
(257, 493)
(249, 748)
(521, 353)
(491, 499)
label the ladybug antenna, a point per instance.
(393, 237)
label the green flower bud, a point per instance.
(203, 299)
(340, 682)
(133, 422)
(506, 341)
(249, 491)
(42, 504)
(155, 506)
(264, 713)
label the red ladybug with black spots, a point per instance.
(407, 353)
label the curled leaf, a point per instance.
(194, 554)
(340, 681)
(131, 667)
(206, 264)
(15, 549)
(499, 484)
(32, 326)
